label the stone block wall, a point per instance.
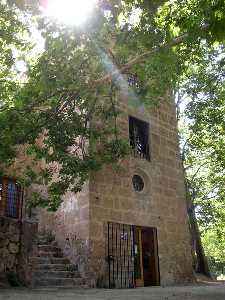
(17, 242)
(9, 245)
(28, 249)
(70, 226)
(161, 204)
(80, 223)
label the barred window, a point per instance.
(138, 183)
(132, 80)
(0, 189)
(10, 198)
(139, 137)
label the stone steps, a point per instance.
(50, 254)
(42, 242)
(51, 269)
(50, 260)
(56, 267)
(47, 248)
(55, 274)
(53, 282)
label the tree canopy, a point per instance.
(204, 156)
(168, 45)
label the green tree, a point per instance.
(13, 45)
(71, 88)
(204, 146)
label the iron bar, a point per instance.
(121, 255)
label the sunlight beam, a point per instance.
(70, 12)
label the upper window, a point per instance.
(139, 137)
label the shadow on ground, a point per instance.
(212, 291)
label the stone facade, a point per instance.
(80, 223)
(16, 247)
(161, 204)
(70, 226)
(9, 244)
(28, 249)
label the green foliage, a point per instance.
(12, 43)
(204, 145)
(66, 112)
(214, 241)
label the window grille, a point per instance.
(138, 183)
(139, 137)
(10, 198)
(132, 80)
(0, 189)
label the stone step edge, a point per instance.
(53, 271)
(48, 246)
(48, 257)
(59, 273)
(56, 265)
(49, 251)
(50, 254)
(58, 281)
(52, 288)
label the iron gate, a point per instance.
(121, 255)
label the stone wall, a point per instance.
(9, 245)
(80, 223)
(28, 249)
(17, 245)
(70, 226)
(162, 203)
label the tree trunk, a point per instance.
(201, 263)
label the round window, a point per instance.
(138, 183)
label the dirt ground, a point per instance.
(212, 291)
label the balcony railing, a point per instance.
(139, 138)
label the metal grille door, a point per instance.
(121, 255)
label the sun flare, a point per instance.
(71, 12)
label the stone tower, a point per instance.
(129, 227)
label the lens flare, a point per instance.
(71, 12)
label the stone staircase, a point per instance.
(51, 269)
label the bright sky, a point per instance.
(71, 12)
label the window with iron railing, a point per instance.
(0, 189)
(10, 198)
(139, 137)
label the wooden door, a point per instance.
(150, 256)
(139, 275)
